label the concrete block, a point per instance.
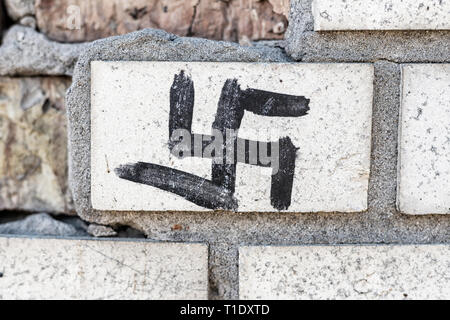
(424, 165)
(381, 15)
(33, 145)
(82, 269)
(345, 272)
(319, 115)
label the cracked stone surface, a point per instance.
(26, 52)
(33, 145)
(345, 272)
(81, 269)
(235, 20)
(281, 6)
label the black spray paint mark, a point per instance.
(218, 193)
(191, 187)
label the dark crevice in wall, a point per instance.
(190, 32)
(11, 216)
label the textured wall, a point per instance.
(26, 51)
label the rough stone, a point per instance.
(96, 230)
(29, 22)
(337, 117)
(345, 272)
(18, 9)
(74, 221)
(281, 7)
(302, 43)
(79, 20)
(424, 167)
(381, 15)
(226, 232)
(208, 20)
(33, 145)
(40, 225)
(109, 270)
(26, 52)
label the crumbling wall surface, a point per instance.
(81, 21)
(228, 235)
(400, 46)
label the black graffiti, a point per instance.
(218, 193)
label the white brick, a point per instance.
(81, 269)
(381, 15)
(424, 165)
(345, 272)
(130, 112)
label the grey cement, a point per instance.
(303, 44)
(41, 224)
(26, 52)
(225, 232)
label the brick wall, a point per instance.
(381, 231)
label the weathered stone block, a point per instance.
(89, 270)
(79, 20)
(345, 272)
(381, 15)
(33, 145)
(424, 165)
(323, 110)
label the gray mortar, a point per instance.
(26, 52)
(225, 232)
(302, 43)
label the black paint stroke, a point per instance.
(233, 102)
(283, 180)
(191, 187)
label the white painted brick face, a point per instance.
(130, 119)
(345, 272)
(81, 269)
(424, 165)
(381, 15)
